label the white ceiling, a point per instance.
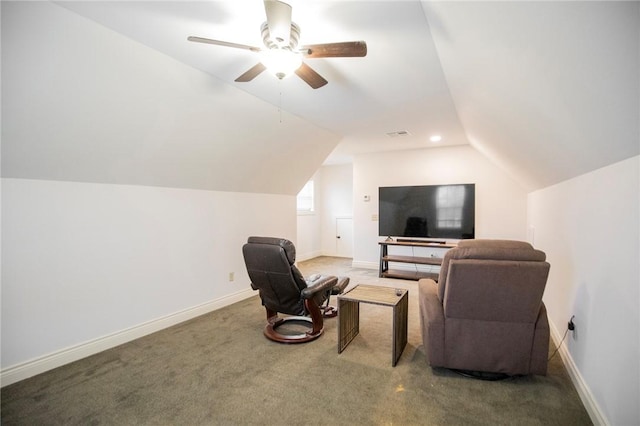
(548, 90)
(399, 85)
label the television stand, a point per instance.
(386, 258)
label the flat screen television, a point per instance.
(427, 211)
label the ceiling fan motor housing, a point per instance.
(274, 44)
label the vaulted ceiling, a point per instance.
(547, 90)
(550, 90)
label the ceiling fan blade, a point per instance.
(279, 21)
(310, 77)
(346, 49)
(252, 73)
(223, 43)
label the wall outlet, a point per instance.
(231, 276)
(570, 325)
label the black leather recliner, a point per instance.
(283, 289)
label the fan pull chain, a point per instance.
(280, 103)
(280, 100)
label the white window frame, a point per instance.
(450, 204)
(306, 199)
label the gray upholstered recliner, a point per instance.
(486, 313)
(283, 289)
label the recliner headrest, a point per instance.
(289, 248)
(498, 253)
(506, 250)
(498, 244)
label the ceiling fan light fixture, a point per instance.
(281, 55)
(281, 62)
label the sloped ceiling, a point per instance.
(549, 90)
(398, 86)
(112, 92)
(83, 103)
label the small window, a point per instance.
(305, 198)
(450, 203)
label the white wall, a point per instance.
(336, 193)
(82, 261)
(308, 224)
(588, 226)
(500, 201)
(333, 186)
(308, 237)
(88, 265)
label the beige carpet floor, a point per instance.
(218, 369)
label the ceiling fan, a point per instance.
(281, 53)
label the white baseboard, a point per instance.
(59, 358)
(590, 403)
(365, 265)
(301, 257)
(308, 256)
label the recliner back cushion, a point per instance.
(503, 251)
(272, 273)
(495, 290)
(287, 246)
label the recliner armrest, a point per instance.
(320, 284)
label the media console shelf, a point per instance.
(385, 258)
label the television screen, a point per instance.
(428, 211)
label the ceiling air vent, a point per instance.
(399, 133)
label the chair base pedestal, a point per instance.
(329, 311)
(482, 375)
(271, 333)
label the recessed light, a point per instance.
(435, 138)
